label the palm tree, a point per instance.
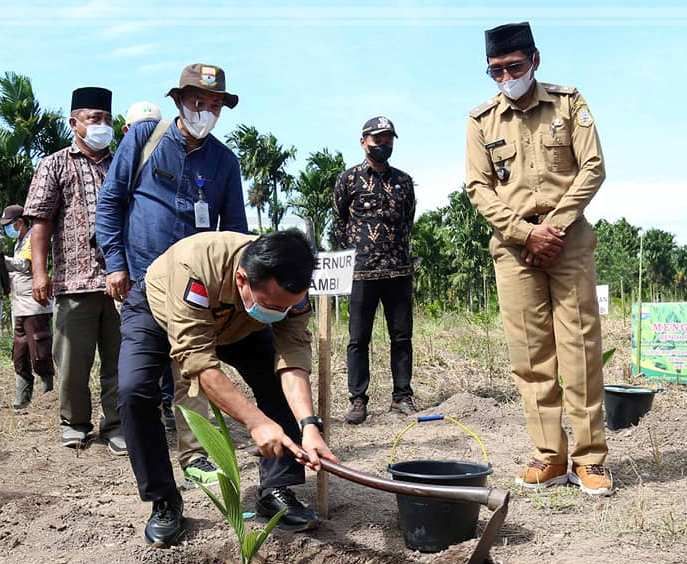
(26, 133)
(37, 132)
(16, 170)
(315, 188)
(263, 162)
(276, 158)
(118, 122)
(258, 194)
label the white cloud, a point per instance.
(134, 50)
(210, 14)
(161, 66)
(115, 31)
(93, 9)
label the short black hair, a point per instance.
(285, 256)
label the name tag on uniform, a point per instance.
(495, 144)
(202, 211)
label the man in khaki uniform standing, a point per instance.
(241, 300)
(534, 162)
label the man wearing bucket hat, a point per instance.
(32, 343)
(190, 182)
(140, 111)
(534, 162)
(61, 203)
(374, 207)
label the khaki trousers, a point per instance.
(551, 321)
(84, 322)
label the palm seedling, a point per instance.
(218, 444)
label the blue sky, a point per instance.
(312, 72)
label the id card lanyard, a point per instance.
(201, 208)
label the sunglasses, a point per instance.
(515, 69)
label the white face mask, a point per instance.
(98, 136)
(198, 124)
(517, 87)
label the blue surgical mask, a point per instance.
(264, 314)
(11, 231)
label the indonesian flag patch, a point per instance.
(196, 294)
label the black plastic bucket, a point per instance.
(625, 405)
(430, 525)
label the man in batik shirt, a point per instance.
(374, 206)
(61, 203)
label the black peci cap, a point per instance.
(507, 38)
(92, 98)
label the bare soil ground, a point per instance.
(58, 505)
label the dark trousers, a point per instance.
(144, 354)
(32, 351)
(396, 297)
(167, 386)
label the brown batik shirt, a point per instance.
(65, 190)
(373, 213)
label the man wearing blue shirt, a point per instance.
(190, 183)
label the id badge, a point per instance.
(202, 211)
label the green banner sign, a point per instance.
(664, 341)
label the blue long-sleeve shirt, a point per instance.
(136, 225)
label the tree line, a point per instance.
(453, 267)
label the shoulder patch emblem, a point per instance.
(482, 108)
(301, 307)
(584, 118)
(196, 294)
(558, 89)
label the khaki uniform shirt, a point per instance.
(544, 161)
(191, 291)
(19, 269)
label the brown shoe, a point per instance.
(404, 406)
(538, 475)
(357, 413)
(593, 479)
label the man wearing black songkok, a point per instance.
(61, 202)
(534, 162)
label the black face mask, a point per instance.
(380, 153)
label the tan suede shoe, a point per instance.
(538, 475)
(593, 479)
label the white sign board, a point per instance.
(333, 274)
(602, 298)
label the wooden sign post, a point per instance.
(323, 391)
(333, 276)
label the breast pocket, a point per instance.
(503, 161)
(366, 205)
(558, 152)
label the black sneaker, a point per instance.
(357, 413)
(165, 526)
(201, 471)
(298, 516)
(404, 406)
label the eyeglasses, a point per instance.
(514, 69)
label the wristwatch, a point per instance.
(312, 420)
